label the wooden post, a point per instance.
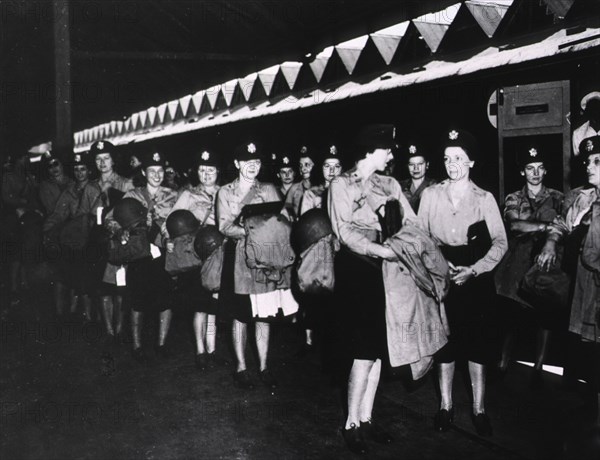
(63, 135)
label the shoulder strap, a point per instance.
(149, 199)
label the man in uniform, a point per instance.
(417, 168)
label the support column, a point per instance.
(63, 135)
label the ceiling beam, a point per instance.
(162, 55)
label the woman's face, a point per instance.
(593, 169)
(417, 166)
(154, 175)
(380, 158)
(104, 162)
(248, 169)
(55, 168)
(331, 169)
(286, 175)
(306, 165)
(534, 173)
(81, 173)
(457, 163)
(207, 175)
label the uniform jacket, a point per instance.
(312, 198)
(294, 197)
(229, 207)
(199, 202)
(72, 203)
(415, 288)
(414, 197)
(50, 191)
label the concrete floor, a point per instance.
(65, 394)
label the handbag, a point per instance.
(137, 247)
(210, 273)
(314, 270)
(546, 289)
(391, 220)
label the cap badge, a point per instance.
(285, 160)
(333, 150)
(273, 156)
(453, 135)
(533, 153)
(205, 156)
(589, 145)
(78, 158)
(156, 157)
(251, 148)
(412, 149)
(100, 145)
(304, 149)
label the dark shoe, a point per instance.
(162, 351)
(375, 433)
(139, 355)
(482, 424)
(536, 382)
(267, 379)
(201, 361)
(242, 380)
(443, 419)
(215, 360)
(354, 439)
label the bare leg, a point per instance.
(200, 331)
(240, 337)
(309, 337)
(477, 374)
(74, 300)
(87, 307)
(366, 406)
(507, 348)
(107, 313)
(543, 340)
(118, 313)
(262, 334)
(136, 329)
(163, 328)
(445, 379)
(357, 388)
(59, 298)
(211, 333)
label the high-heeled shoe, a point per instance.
(443, 419)
(354, 439)
(482, 424)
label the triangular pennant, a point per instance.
(212, 95)
(198, 99)
(350, 51)
(433, 26)
(290, 71)
(135, 119)
(173, 107)
(387, 40)
(464, 32)
(487, 14)
(320, 63)
(559, 8)
(77, 138)
(246, 85)
(161, 111)
(229, 90)
(113, 128)
(184, 104)
(120, 125)
(267, 78)
(143, 116)
(151, 112)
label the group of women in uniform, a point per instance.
(461, 217)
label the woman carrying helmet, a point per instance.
(465, 219)
(111, 186)
(148, 285)
(239, 281)
(200, 201)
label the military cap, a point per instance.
(102, 146)
(48, 159)
(463, 139)
(377, 136)
(588, 97)
(590, 146)
(80, 159)
(414, 149)
(206, 158)
(284, 161)
(246, 152)
(530, 153)
(152, 159)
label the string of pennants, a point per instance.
(460, 26)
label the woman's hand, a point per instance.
(385, 252)
(547, 257)
(460, 275)
(124, 236)
(169, 245)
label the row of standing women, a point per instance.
(463, 220)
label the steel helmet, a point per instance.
(207, 240)
(181, 222)
(313, 225)
(129, 212)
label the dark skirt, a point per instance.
(232, 305)
(192, 296)
(360, 306)
(471, 310)
(149, 286)
(78, 273)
